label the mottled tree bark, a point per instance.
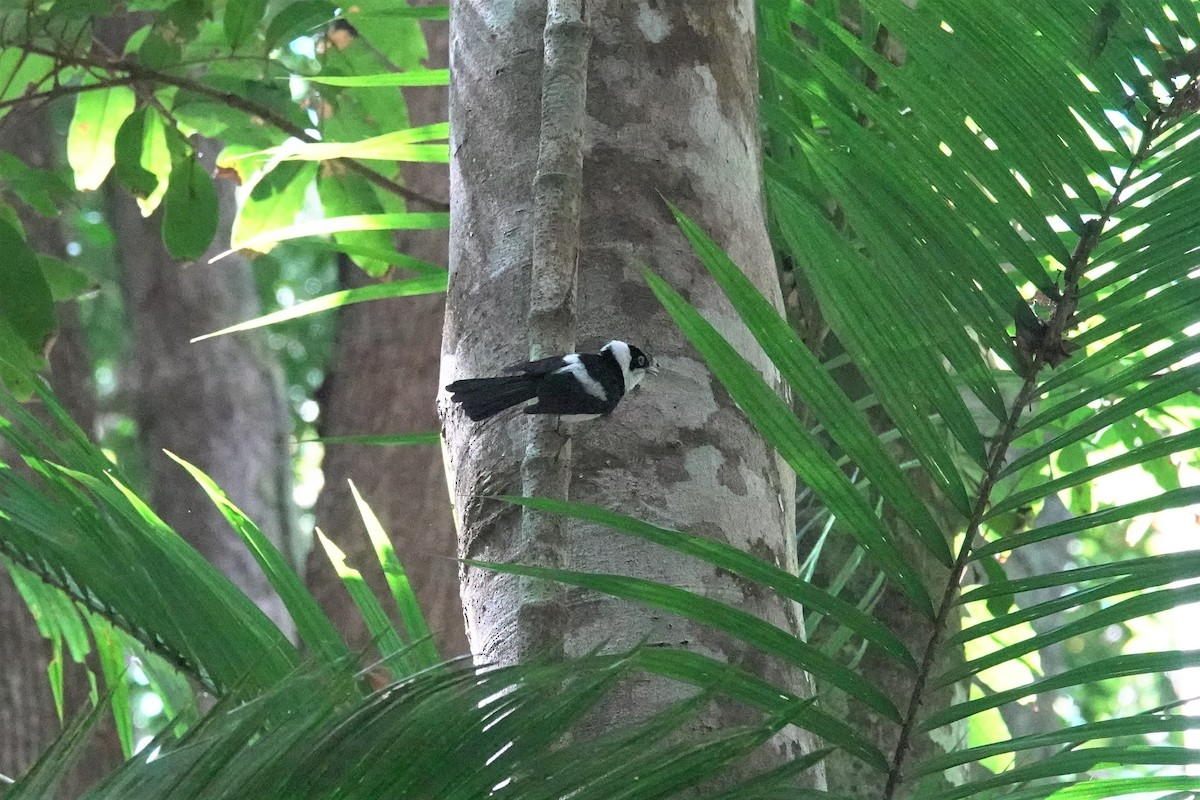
(672, 109)
(28, 722)
(383, 379)
(219, 403)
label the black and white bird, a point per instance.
(577, 386)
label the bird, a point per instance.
(576, 386)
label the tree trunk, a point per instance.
(28, 722)
(219, 404)
(672, 109)
(383, 379)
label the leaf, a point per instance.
(1176, 499)
(313, 627)
(157, 145)
(131, 139)
(412, 77)
(1138, 725)
(383, 635)
(241, 18)
(26, 302)
(275, 200)
(351, 194)
(732, 560)
(190, 212)
(76, 524)
(424, 653)
(812, 383)
(703, 671)
(775, 421)
(349, 224)
(1171, 384)
(426, 284)
(297, 19)
(394, 146)
(1139, 605)
(1179, 443)
(1101, 669)
(737, 623)
(99, 114)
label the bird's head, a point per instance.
(634, 363)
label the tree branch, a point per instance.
(64, 90)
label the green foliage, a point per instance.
(287, 729)
(221, 70)
(994, 206)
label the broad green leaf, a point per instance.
(18, 364)
(313, 627)
(128, 147)
(735, 561)
(275, 201)
(43, 189)
(392, 27)
(99, 114)
(779, 426)
(241, 18)
(190, 213)
(811, 382)
(737, 623)
(426, 284)
(298, 19)
(26, 303)
(351, 195)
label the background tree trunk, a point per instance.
(671, 101)
(28, 722)
(219, 404)
(383, 379)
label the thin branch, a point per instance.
(137, 72)
(1046, 350)
(64, 90)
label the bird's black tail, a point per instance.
(485, 397)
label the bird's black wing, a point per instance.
(560, 393)
(543, 366)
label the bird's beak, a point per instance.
(653, 370)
